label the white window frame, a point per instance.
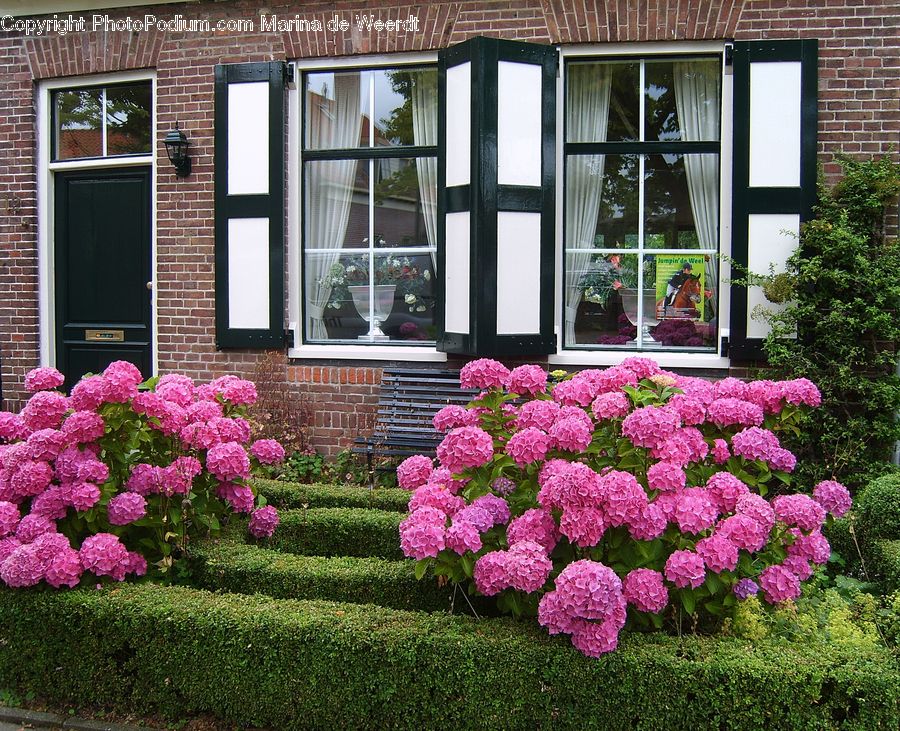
(45, 205)
(299, 349)
(596, 357)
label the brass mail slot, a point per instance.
(105, 336)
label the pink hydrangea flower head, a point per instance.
(765, 394)
(177, 388)
(23, 567)
(491, 575)
(83, 496)
(145, 479)
(31, 477)
(610, 379)
(178, 477)
(413, 472)
(423, 533)
(503, 485)
(721, 453)
(779, 584)
(87, 394)
(527, 566)
(801, 391)
(666, 476)
(443, 476)
(267, 451)
(641, 367)
(697, 388)
(576, 413)
(240, 498)
(571, 484)
(575, 392)
(553, 616)
(126, 508)
(104, 555)
(832, 496)
(43, 379)
(228, 461)
(496, 506)
(136, 564)
(45, 410)
(462, 536)
(203, 411)
(12, 427)
(52, 504)
(692, 411)
(527, 380)
(754, 443)
(64, 569)
(539, 414)
(570, 435)
(453, 416)
(466, 446)
(49, 544)
(798, 566)
(483, 373)
(31, 526)
(624, 499)
(589, 590)
(651, 524)
(783, 459)
(9, 518)
(812, 547)
(527, 446)
(611, 405)
(694, 510)
(120, 382)
(757, 508)
(7, 546)
(46, 444)
(477, 516)
(799, 510)
(725, 490)
(743, 532)
(82, 427)
(436, 496)
(734, 412)
(685, 568)
(236, 391)
(730, 388)
(645, 591)
(718, 553)
(92, 470)
(583, 526)
(745, 588)
(534, 525)
(263, 522)
(649, 426)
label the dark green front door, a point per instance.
(102, 270)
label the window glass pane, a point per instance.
(337, 204)
(336, 110)
(128, 119)
(406, 202)
(405, 107)
(602, 103)
(681, 100)
(681, 201)
(597, 287)
(602, 205)
(686, 301)
(79, 123)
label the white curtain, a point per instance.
(329, 189)
(424, 120)
(697, 104)
(587, 102)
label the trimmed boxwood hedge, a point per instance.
(878, 508)
(295, 495)
(250, 570)
(298, 664)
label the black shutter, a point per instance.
(753, 200)
(250, 300)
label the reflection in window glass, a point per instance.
(79, 123)
(128, 119)
(681, 100)
(371, 223)
(603, 102)
(681, 208)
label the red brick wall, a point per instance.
(858, 113)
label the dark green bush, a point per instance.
(878, 508)
(251, 570)
(337, 532)
(295, 664)
(294, 495)
(884, 557)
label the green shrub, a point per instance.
(883, 559)
(295, 664)
(248, 570)
(338, 532)
(878, 508)
(293, 495)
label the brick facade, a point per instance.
(859, 113)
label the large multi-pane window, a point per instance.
(642, 203)
(369, 205)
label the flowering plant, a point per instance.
(411, 281)
(625, 494)
(122, 473)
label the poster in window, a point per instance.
(680, 286)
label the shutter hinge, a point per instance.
(288, 72)
(729, 54)
(288, 337)
(725, 345)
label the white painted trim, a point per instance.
(368, 352)
(664, 48)
(365, 62)
(45, 170)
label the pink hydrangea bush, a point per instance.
(116, 479)
(628, 494)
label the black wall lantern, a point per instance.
(177, 150)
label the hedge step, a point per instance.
(294, 495)
(288, 664)
(251, 570)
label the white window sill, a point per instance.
(666, 360)
(368, 352)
